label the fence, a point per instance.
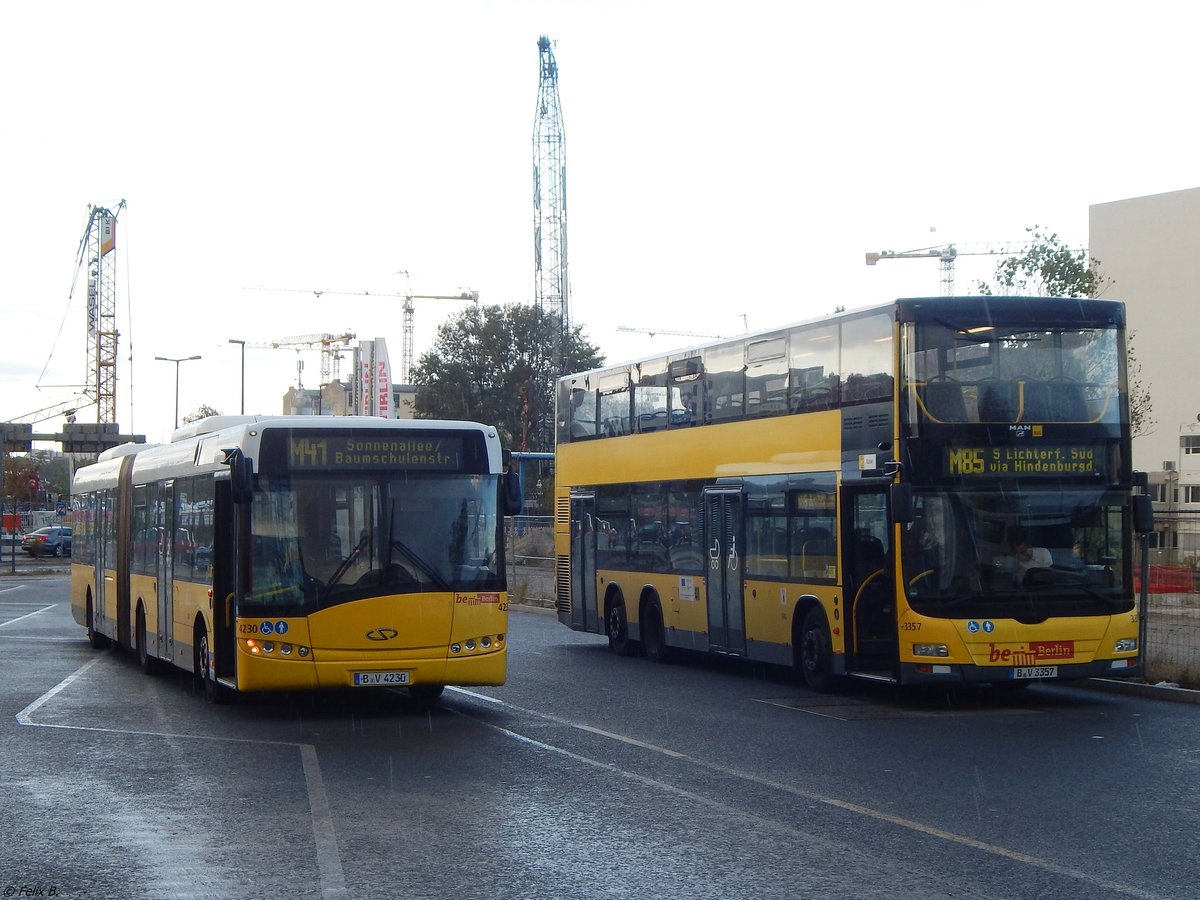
(1171, 653)
(529, 549)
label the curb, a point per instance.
(1172, 693)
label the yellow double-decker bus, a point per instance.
(930, 491)
(300, 552)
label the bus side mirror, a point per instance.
(514, 495)
(900, 502)
(1143, 514)
(241, 476)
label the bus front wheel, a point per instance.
(204, 675)
(425, 696)
(148, 663)
(95, 638)
(815, 652)
(617, 626)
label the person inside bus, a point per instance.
(1024, 557)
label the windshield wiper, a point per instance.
(423, 567)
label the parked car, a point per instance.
(53, 540)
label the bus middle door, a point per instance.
(723, 578)
(165, 569)
(583, 562)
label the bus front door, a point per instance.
(583, 563)
(723, 581)
(871, 645)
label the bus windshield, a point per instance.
(319, 542)
(1024, 552)
(960, 372)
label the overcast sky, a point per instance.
(723, 161)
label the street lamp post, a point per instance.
(177, 361)
(243, 346)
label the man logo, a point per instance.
(382, 634)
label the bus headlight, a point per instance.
(1126, 645)
(930, 650)
(303, 651)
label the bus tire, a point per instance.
(652, 634)
(426, 696)
(203, 674)
(814, 652)
(616, 625)
(95, 638)
(146, 662)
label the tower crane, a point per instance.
(946, 254)
(655, 331)
(551, 285)
(97, 250)
(406, 353)
(329, 345)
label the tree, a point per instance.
(22, 480)
(203, 412)
(1049, 268)
(495, 364)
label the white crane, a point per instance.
(330, 346)
(656, 331)
(406, 354)
(946, 254)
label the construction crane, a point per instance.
(946, 254)
(330, 346)
(97, 250)
(406, 347)
(67, 409)
(551, 284)
(656, 331)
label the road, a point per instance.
(586, 775)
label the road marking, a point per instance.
(15, 587)
(329, 862)
(27, 615)
(845, 805)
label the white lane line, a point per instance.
(27, 615)
(329, 861)
(847, 806)
(15, 587)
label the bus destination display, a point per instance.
(425, 452)
(1025, 460)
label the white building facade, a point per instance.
(1149, 248)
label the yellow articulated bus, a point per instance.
(929, 491)
(300, 553)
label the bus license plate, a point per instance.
(1035, 672)
(374, 679)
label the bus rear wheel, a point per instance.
(652, 635)
(815, 652)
